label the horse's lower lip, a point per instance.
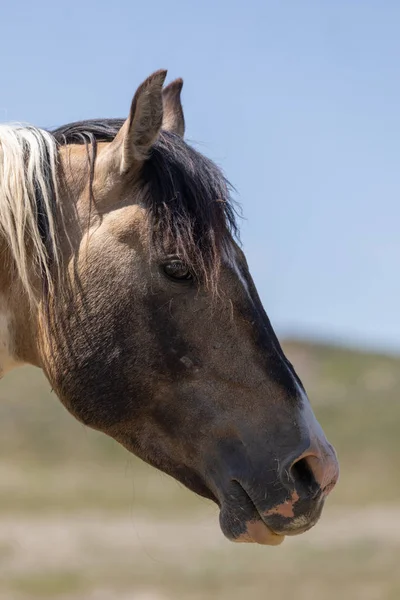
(259, 533)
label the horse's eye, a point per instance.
(176, 269)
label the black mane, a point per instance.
(83, 132)
(187, 196)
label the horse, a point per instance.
(123, 279)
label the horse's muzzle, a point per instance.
(264, 505)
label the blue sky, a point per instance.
(299, 102)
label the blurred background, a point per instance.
(299, 104)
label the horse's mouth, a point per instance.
(241, 521)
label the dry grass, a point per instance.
(89, 556)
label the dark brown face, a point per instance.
(195, 384)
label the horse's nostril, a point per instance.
(312, 474)
(303, 477)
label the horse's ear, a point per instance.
(173, 119)
(140, 130)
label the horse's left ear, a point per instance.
(173, 119)
(140, 130)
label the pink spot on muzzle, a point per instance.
(285, 509)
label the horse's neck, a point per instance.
(8, 359)
(8, 328)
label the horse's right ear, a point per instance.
(139, 132)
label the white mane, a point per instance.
(28, 172)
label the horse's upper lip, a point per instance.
(259, 533)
